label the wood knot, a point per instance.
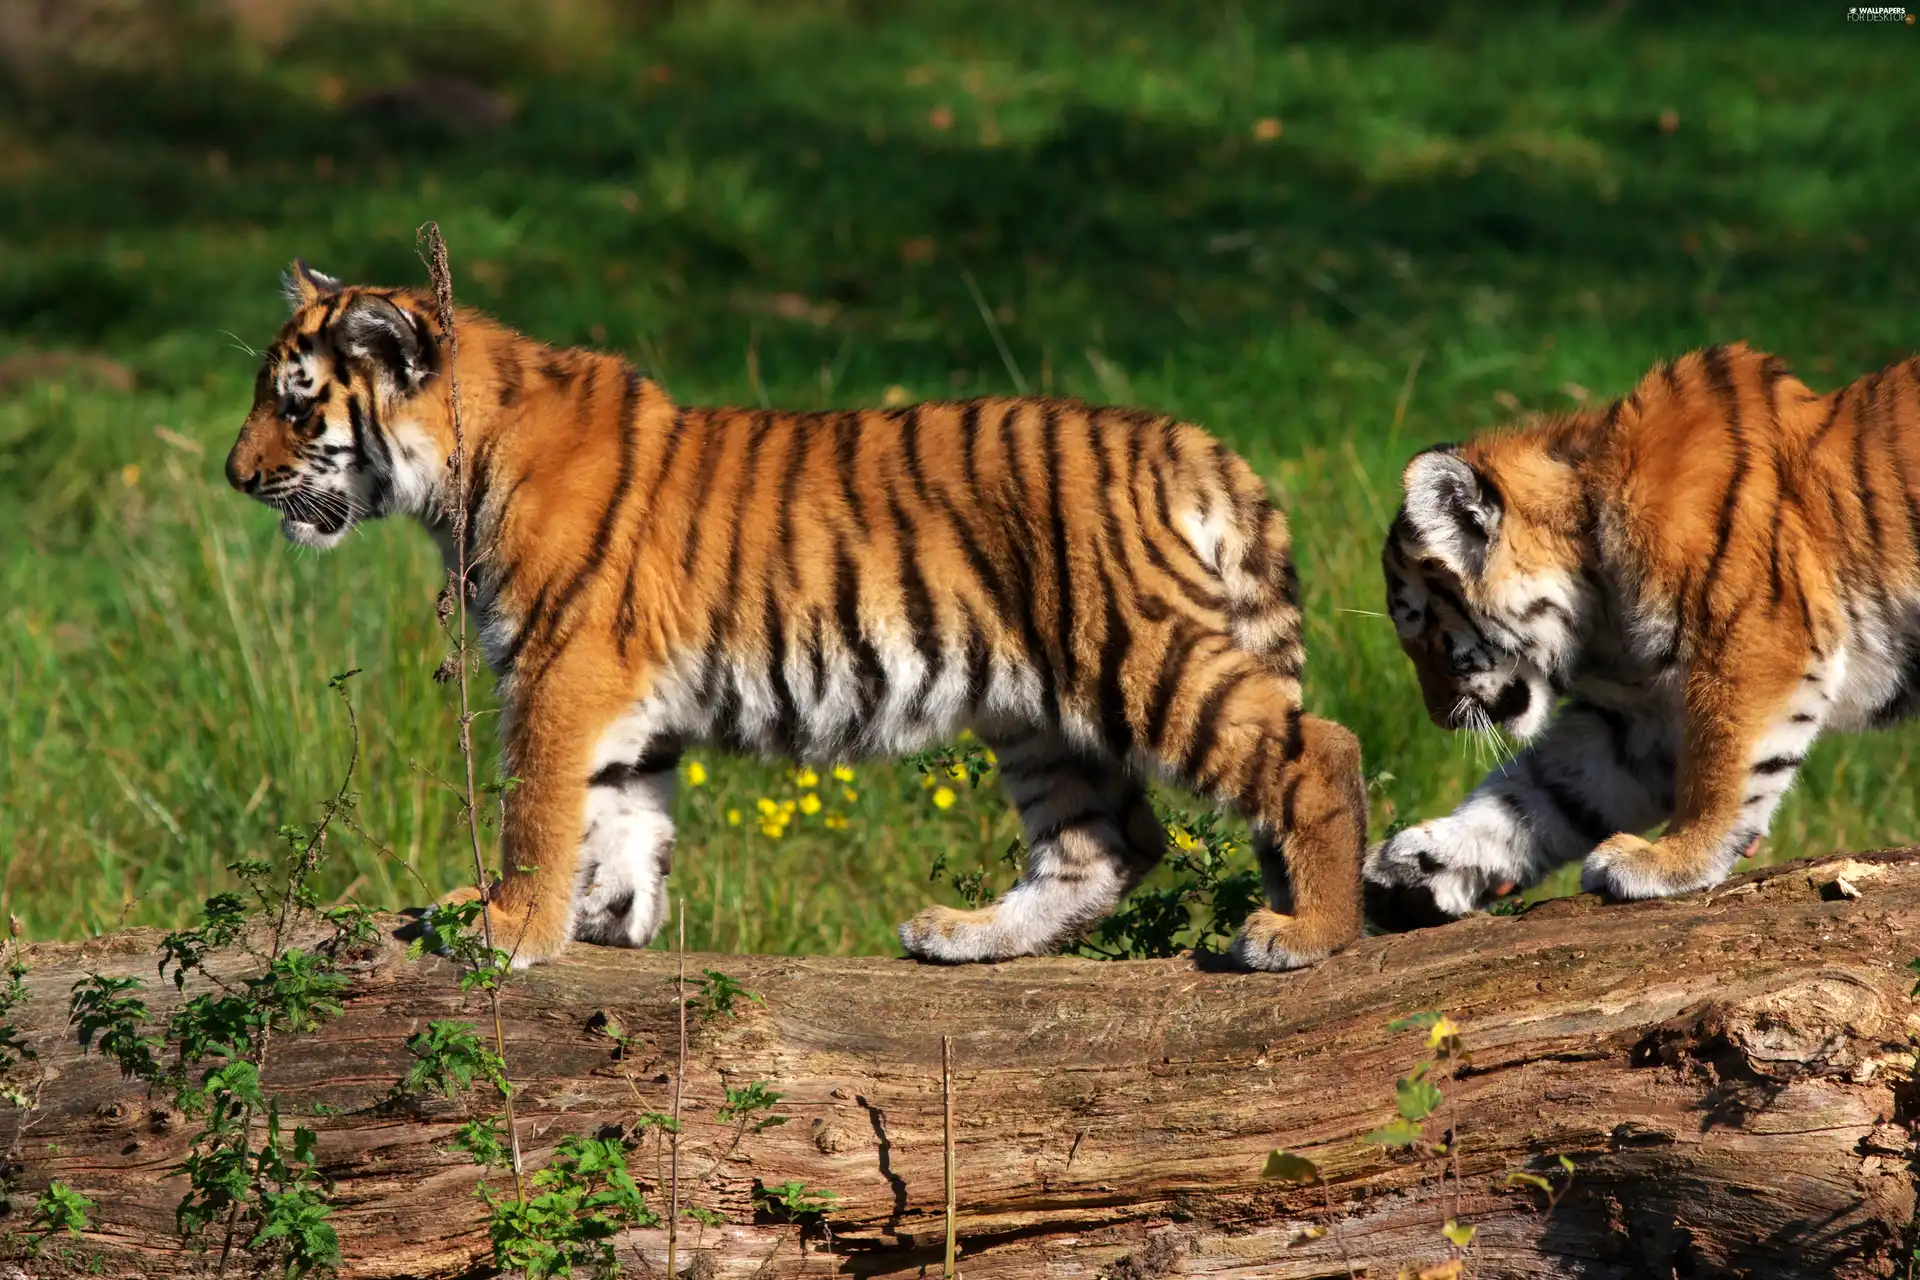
(1635, 1134)
(831, 1138)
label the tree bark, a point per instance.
(1730, 1073)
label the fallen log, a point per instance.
(1730, 1074)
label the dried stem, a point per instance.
(435, 256)
(946, 1106)
(1453, 1126)
(679, 1083)
(1339, 1237)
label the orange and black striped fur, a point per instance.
(1098, 593)
(1711, 571)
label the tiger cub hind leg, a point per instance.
(1239, 737)
(1309, 818)
(1091, 837)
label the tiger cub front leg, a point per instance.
(1741, 746)
(626, 852)
(1592, 773)
(551, 739)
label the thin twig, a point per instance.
(1453, 1124)
(296, 880)
(679, 1083)
(435, 256)
(1406, 388)
(946, 1104)
(1333, 1224)
(993, 330)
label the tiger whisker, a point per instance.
(240, 343)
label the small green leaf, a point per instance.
(1458, 1233)
(1285, 1166)
(1416, 1098)
(1566, 1162)
(1413, 1021)
(1517, 1178)
(1401, 1133)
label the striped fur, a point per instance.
(1711, 571)
(1101, 594)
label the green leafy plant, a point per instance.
(748, 1107)
(449, 1056)
(481, 1138)
(1290, 1168)
(100, 1005)
(794, 1201)
(1544, 1183)
(242, 1170)
(967, 759)
(716, 995)
(58, 1209)
(972, 885)
(1214, 889)
(580, 1201)
(452, 931)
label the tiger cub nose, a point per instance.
(245, 479)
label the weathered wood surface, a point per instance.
(1730, 1072)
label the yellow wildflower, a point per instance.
(806, 779)
(767, 807)
(850, 794)
(773, 830)
(835, 821)
(956, 771)
(1184, 838)
(926, 781)
(733, 817)
(993, 761)
(842, 773)
(696, 773)
(810, 804)
(786, 809)
(943, 798)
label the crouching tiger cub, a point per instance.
(1711, 571)
(1098, 593)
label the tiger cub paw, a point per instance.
(1417, 878)
(948, 935)
(1272, 942)
(528, 933)
(1626, 867)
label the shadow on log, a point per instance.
(1731, 1074)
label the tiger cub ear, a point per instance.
(374, 329)
(302, 284)
(1453, 510)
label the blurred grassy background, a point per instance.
(1331, 233)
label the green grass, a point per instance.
(781, 200)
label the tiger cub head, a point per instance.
(1486, 579)
(329, 441)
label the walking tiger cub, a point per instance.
(1099, 593)
(1712, 571)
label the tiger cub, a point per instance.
(1711, 572)
(1100, 594)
